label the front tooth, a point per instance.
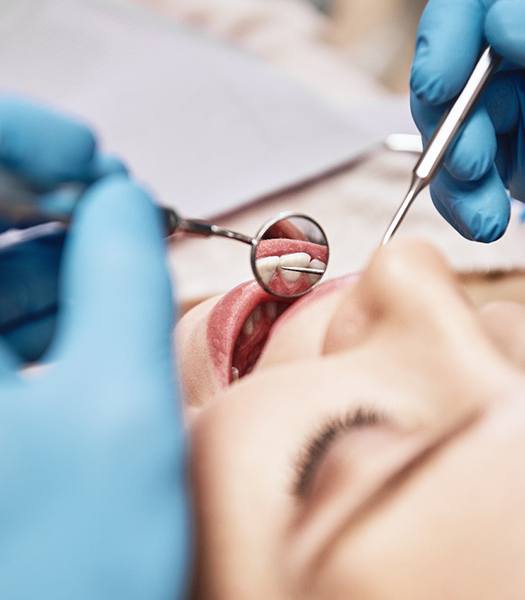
(266, 267)
(316, 264)
(271, 310)
(248, 326)
(295, 259)
(235, 373)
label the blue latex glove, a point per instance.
(92, 480)
(43, 150)
(489, 155)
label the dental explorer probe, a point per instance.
(432, 158)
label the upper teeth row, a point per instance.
(267, 266)
(269, 308)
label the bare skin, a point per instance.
(376, 449)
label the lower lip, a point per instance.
(225, 323)
(229, 314)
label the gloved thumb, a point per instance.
(115, 293)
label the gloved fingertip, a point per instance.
(504, 29)
(115, 280)
(427, 84)
(486, 228)
(492, 229)
(474, 153)
(107, 164)
(479, 211)
(432, 80)
(470, 166)
(116, 240)
(117, 212)
(444, 208)
(42, 145)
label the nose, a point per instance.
(407, 288)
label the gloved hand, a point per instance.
(489, 154)
(91, 452)
(43, 150)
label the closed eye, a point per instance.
(317, 446)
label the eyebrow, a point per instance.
(491, 275)
(391, 484)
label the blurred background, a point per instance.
(375, 35)
(378, 35)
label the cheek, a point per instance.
(505, 323)
(455, 529)
(198, 379)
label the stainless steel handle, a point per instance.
(432, 158)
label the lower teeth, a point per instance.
(235, 373)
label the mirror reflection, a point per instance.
(290, 256)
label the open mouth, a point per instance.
(238, 328)
(253, 336)
(240, 323)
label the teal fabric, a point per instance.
(488, 157)
(92, 460)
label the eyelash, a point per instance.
(317, 446)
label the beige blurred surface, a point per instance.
(353, 206)
(379, 36)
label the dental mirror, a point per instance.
(290, 255)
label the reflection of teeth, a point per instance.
(296, 259)
(271, 310)
(248, 326)
(235, 373)
(266, 267)
(316, 264)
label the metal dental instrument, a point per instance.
(444, 136)
(285, 234)
(298, 234)
(303, 270)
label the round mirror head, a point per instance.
(289, 255)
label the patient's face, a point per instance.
(373, 446)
